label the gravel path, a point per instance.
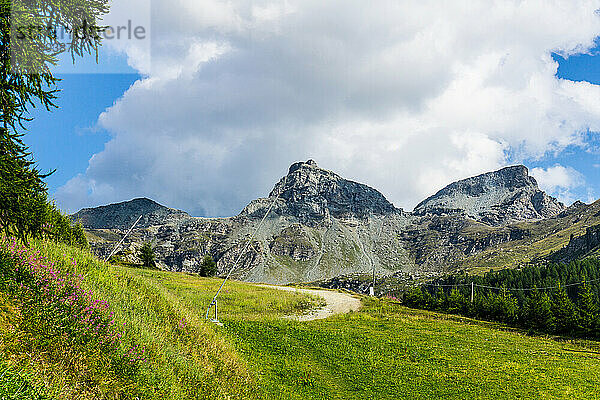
(336, 302)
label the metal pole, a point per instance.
(472, 291)
(372, 288)
(123, 238)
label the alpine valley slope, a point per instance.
(323, 227)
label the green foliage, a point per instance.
(456, 302)
(382, 351)
(78, 235)
(29, 47)
(59, 228)
(51, 309)
(147, 255)
(415, 297)
(22, 192)
(536, 312)
(516, 303)
(208, 267)
(504, 307)
(16, 386)
(29, 30)
(564, 312)
(164, 312)
(587, 307)
(386, 351)
(549, 275)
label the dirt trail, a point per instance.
(336, 302)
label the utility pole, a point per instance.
(472, 291)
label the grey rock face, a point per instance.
(496, 198)
(321, 226)
(293, 242)
(575, 208)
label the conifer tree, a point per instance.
(414, 297)
(29, 47)
(208, 267)
(565, 314)
(147, 255)
(456, 302)
(505, 307)
(482, 306)
(537, 311)
(587, 310)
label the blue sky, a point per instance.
(68, 137)
(224, 110)
(582, 67)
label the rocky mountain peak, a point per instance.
(123, 215)
(308, 164)
(496, 198)
(312, 194)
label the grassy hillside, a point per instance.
(546, 236)
(161, 313)
(384, 351)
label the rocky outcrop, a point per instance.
(320, 226)
(579, 246)
(495, 198)
(574, 209)
(293, 242)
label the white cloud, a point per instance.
(559, 181)
(405, 96)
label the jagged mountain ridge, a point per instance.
(313, 195)
(496, 198)
(322, 226)
(311, 192)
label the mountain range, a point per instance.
(326, 229)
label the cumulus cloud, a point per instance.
(559, 181)
(405, 96)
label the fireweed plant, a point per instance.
(56, 312)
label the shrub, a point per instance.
(147, 256)
(59, 228)
(208, 267)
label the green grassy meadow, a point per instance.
(387, 351)
(384, 351)
(15, 385)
